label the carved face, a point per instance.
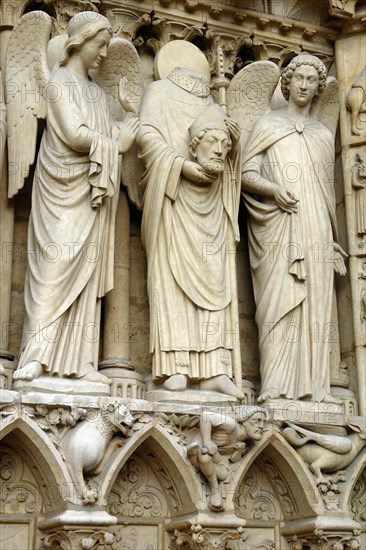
(361, 165)
(94, 50)
(254, 426)
(304, 85)
(212, 150)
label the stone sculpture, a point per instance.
(2, 123)
(89, 445)
(356, 100)
(189, 229)
(221, 441)
(359, 184)
(289, 195)
(75, 193)
(327, 453)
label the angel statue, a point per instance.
(75, 187)
(287, 180)
(189, 226)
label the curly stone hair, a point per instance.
(296, 62)
(244, 412)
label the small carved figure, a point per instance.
(289, 195)
(221, 441)
(90, 444)
(356, 100)
(327, 453)
(2, 123)
(75, 188)
(359, 183)
(189, 229)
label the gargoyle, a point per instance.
(90, 444)
(327, 453)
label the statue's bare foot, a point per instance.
(328, 398)
(176, 382)
(96, 377)
(268, 394)
(31, 370)
(222, 384)
(93, 375)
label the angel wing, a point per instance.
(26, 75)
(326, 108)
(123, 62)
(250, 92)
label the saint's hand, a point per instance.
(194, 172)
(127, 96)
(235, 132)
(127, 133)
(338, 259)
(285, 199)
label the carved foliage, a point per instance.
(87, 539)
(165, 31)
(19, 491)
(182, 426)
(137, 491)
(55, 421)
(358, 501)
(321, 540)
(197, 537)
(265, 494)
(255, 498)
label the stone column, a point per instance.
(10, 12)
(116, 347)
(350, 61)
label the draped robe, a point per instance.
(190, 234)
(71, 228)
(291, 255)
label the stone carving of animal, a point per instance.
(327, 453)
(90, 444)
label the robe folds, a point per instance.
(291, 254)
(71, 228)
(190, 234)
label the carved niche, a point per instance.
(21, 501)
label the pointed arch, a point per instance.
(290, 476)
(354, 473)
(170, 455)
(31, 441)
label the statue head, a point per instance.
(84, 26)
(252, 418)
(210, 140)
(304, 60)
(361, 165)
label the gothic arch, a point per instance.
(172, 459)
(289, 477)
(36, 446)
(355, 473)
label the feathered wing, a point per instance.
(326, 108)
(250, 92)
(26, 76)
(124, 62)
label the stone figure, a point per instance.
(356, 100)
(221, 441)
(289, 194)
(327, 453)
(2, 123)
(89, 445)
(189, 230)
(359, 183)
(74, 200)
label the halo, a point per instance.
(180, 53)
